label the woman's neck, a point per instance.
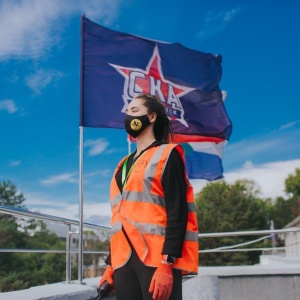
(142, 142)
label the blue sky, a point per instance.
(39, 92)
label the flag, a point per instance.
(203, 155)
(204, 160)
(116, 66)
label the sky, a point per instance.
(259, 42)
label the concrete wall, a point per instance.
(201, 288)
(279, 280)
(292, 244)
(197, 288)
(266, 287)
(212, 283)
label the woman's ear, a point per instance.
(152, 117)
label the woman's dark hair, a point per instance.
(163, 130)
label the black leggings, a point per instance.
(132, 281)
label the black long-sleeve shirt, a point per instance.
(174, 185)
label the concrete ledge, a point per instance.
(261, 287)
(195, 288)
(251, 270)
(213, 283)
(201, 288)
(57, 291)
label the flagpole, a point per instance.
(80, 237)
(129, 145)
(81, 132)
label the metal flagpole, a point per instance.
(81, 130)
(129, 145)
(80, 236)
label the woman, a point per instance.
(154, 228)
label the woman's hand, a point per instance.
(107, 276)
(162, 282)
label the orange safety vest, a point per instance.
(140, 210)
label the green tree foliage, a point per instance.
(24, 270)
(10, 196)
(222, 207)
(10, 236)
(92, 242)
(283, 211)
(292, 184)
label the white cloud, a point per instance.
(42, 79)
(96, 147)
(61, 178)
(213, 23)
(280, 144)
(99, 214)
(269, 176)
(267, 159)
(8, 105)
(29, 28)
(14, 163)
(104, 173)
(289, 125)
(95, 213)
(251, 147)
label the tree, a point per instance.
(92, 242)
(292, 184)
(222, 207)
(283, 211)
(10, 236)
(24, 270)
(10, 196)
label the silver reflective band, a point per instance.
(151, 229)
(116, 200)
(143, 197)
(191, 236)
(191, 206)
(145, 228)
(116, 227)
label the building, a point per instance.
(292, 239)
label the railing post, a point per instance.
(68, 254)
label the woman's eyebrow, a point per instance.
(133, 107)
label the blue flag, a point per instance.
(116, 66)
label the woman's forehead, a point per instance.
(137, 102)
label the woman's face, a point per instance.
(136, 108)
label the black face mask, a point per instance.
(134, 125)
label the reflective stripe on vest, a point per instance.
(139, 196)
(154, 229)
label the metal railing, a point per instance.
(247, 233)
(252, 232)
(69, 222)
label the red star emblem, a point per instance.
(151, 81)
